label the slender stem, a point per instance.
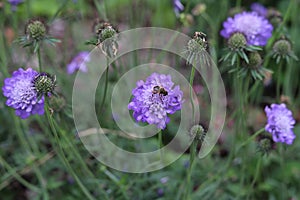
(192, 76)
(39, 59)
(14, 173)
(59, 10)
(115, 180)
(189, 186)
(251, 138)
(105, 86)
(257, 170)
(278, 82)
(160, 142)
(62, 155)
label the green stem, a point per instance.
(189, 185)
(192, 76)
(59, 10)
(62, 155)
(160, 142)
(278, 82)
(115, 180)
(257, 170)
(39, 59)
(105, 86)
(251, 138)
(14, 173)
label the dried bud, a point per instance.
(44, 83)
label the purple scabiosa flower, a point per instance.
(14, 4)
(178, 7)
(21, 93)
(79, 62)
(255, 28)
(280, 123)
(259, 9)
(154, 99)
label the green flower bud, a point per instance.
(237, 41)
(255, 60)
(198, 132)
(36, 30)
(282, 47)
(265, 145)
(57, 103)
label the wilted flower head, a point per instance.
(280, 123)
(154, 99)
(178, 7)
(44, 84)
(21, 94)
(255, 28)
(259, 9)
(79, 62)
(14, 4)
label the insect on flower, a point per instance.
(159, 90)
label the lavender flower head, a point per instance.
(280, 123)
(79, 62)
(21, 94)
(14, 4)
(178, 7)
(259, 9)
(153, 107)
(255, 28)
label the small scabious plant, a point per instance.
(154, 99)
(21, 93)
(79, 62)
(246, 32)
(280, 123)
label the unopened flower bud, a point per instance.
(198, 132)
(36, 30)
(265, 145)
(255, 60)
(282, 47)
(237, 41)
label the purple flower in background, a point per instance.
(259, 9)
(178, 7)
(255, 28)
(154, 99)
(21, 94)
(79, 62)
(280, 123)
(14, 4)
